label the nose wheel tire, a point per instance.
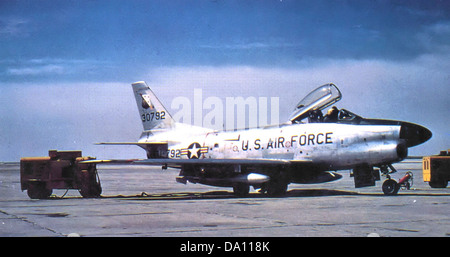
(390, 187)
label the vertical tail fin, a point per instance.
(152, 112)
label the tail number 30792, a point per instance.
(153, 116)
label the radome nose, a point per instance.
(414, 134)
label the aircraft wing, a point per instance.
(132, 143)
(213, 161)
(180, 162)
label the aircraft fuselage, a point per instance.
(331, 146)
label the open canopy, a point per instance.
(319, 99)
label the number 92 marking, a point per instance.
(154, 116)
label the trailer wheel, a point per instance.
(90, 190)
(90, 186)
(38, 190)
(438, 183)
(390, 187)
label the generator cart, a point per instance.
(60, 170)
(436, 169)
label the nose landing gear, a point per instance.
(390, 186)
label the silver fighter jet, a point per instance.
(309, 148)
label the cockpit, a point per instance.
(312, 105)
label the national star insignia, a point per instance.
(194, 151)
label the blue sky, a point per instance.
(66, 66)
(74, 40)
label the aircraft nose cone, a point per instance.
(414, 134)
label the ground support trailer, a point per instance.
(60, 170)
(436, 169)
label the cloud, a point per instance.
(38, 70)
(50, 66)
(75, 115)
(435, 38)
(67, 116)
(398, 90)
(13, 27)
(414, 90)
(440, 28)
(249, 46)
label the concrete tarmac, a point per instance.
(146, 201)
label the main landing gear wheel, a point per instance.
(390, 187)
(277, 189)
(241, 190)
(438, 183)
(274, 188)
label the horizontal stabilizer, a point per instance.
(130, 161)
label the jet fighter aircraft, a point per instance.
(309, 148)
